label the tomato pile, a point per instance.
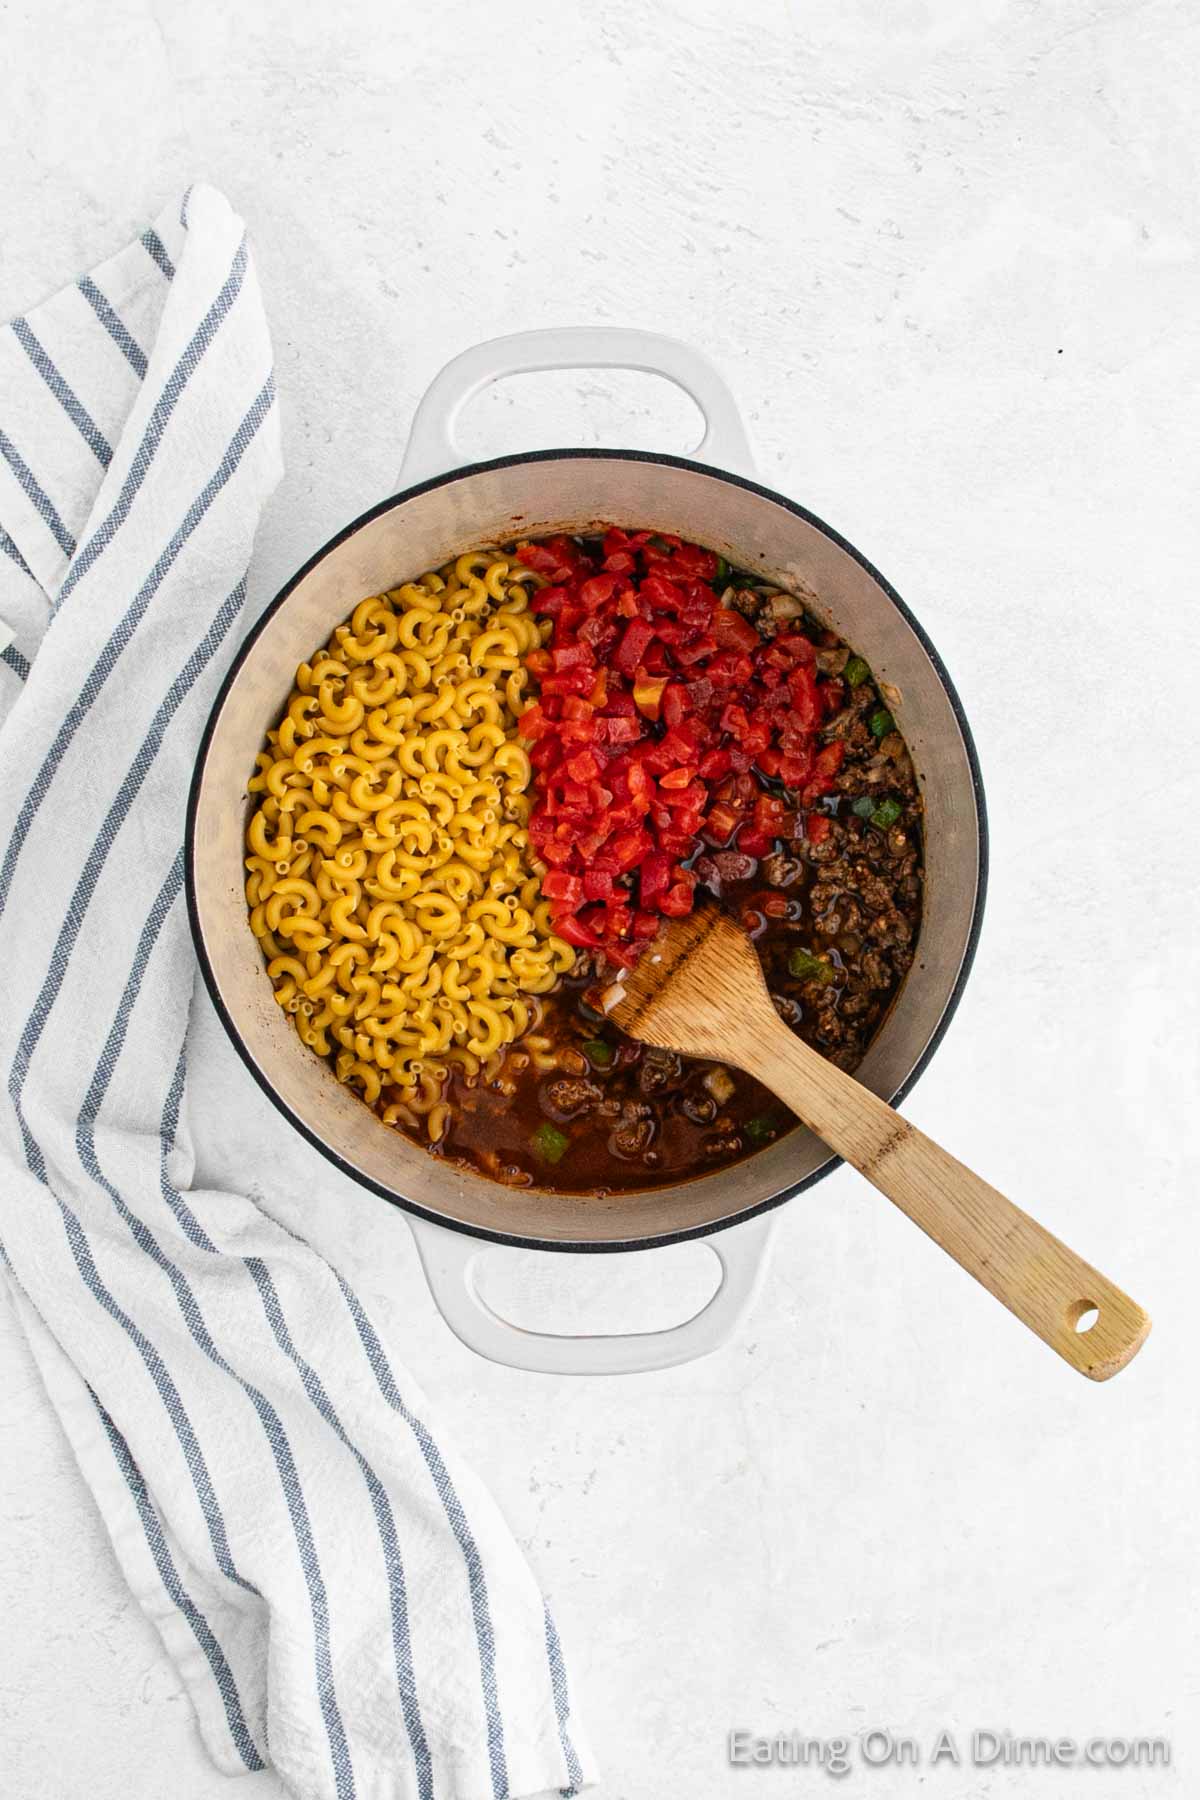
(663, 723)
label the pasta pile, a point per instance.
(391, 884)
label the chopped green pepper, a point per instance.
(550, 1143)
(886, 813)
(761, 1129)
(864, 806)
(856, 671)
(721, 578)
(598, 1052)
(807, 967)
(881, 722)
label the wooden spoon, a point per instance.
(699, 989)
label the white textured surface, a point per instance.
(949, 265)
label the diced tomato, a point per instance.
(789, 648)
(682, 742)
(633, 645)
(575, 932)
(677, 703)
(678, 900)
(637, 781)
(571, 681)
(628, 849)
(771, 816)
(551, 600)
(570, 656)
(794, 769)
(556, 853)
(584, 767)
(687, 655)
(597, 590)
(659, 716)
(690, 798)
(806, 706)
(713, 765)
(691, 560)
(733, 632)
(618, 731)
(722, 822)
(623, 955)
(533, 721)
(756, 738)
(616, 539)
(662, 595)
(563, 888)
(654, 877)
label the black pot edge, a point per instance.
(504, 462)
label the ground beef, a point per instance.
(780, 871)
(661, 1071)
(747, 601)
(701, 1109)
(569, 1096)
(634, 1131)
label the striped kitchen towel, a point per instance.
(340, 1596)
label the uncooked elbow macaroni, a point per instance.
(391, 883)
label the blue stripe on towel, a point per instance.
(562, 1703)
(76, 913)
(384, 1520)
(68, 936)
(36, 495)
(169, 1576)
(272, 1425)
(314, 1388)
(115, 817)
(121, 635)
(222, 1674)
(480, 1610)
(115, 326)
(85, 1263)
(164, 406)
(78, 414)
(155, 248)
(17, 663)
(10, 549)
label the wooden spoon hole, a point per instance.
(1084, 1315)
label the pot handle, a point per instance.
(432, 449)
(449, 1259)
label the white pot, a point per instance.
(436, 516)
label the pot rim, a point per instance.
(590, 453)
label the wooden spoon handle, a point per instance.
(1036, 1276)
